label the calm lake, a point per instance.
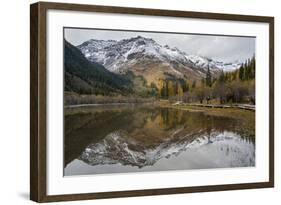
(127, 138)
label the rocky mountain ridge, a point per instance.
(127, 54)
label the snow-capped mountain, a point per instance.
(114, 54)
(203, 62)
(139, 54)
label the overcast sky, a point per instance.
(224, 48)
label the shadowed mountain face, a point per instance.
(83, 76)
(123, 139)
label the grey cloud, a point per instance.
(224, 48)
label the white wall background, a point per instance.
(14, 103)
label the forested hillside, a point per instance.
(84, 77)
(229, 87)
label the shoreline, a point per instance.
(222, 106)
(106, 104)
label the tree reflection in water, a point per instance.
(113, 139)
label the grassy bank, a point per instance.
(71, 98)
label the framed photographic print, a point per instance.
(134, 102)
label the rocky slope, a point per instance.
(144, 56)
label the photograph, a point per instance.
(143, 101)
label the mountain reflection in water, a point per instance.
(131, 139)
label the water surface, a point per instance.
(120, 139)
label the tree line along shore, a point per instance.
(235, 87)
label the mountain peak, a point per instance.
(123, 54)
(138, 39)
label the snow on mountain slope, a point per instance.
(117, 56)
(202, 62)
(114, 54)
